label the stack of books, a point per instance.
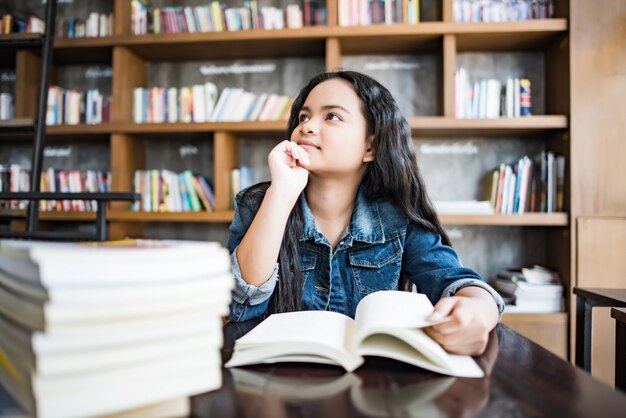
(530, 290)
(103, 328)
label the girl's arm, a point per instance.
(474, 313)
(258, 251)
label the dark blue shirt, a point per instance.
(379, 245)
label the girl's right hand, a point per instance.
(287, 162)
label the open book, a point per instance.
(386, 324)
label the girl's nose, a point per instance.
(309, 127)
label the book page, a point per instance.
(392, 309)
(329, 328)
(312, 336)
(388, 324)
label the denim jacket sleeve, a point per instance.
(435, 268)
(248, 301)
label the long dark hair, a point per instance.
(393, 175)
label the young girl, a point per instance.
(346, 213)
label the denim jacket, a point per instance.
(379, 245)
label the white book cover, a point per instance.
(199, 102)
(210, 99)
(494, 91)
(172, 105)
(215, 116)
(111, 263)
(229, 110)
(117, 390)
(97, 359)
(74, 317)
(510, 110)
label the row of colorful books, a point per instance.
(15, 178)
(501, 10)
(73, 181)
(17, 24)
(529, 185)
(95, 25)
(167, 191)
(373, 12)
(535, 289)
(200, 103)
(217, 17)
(7, 106)
(491, 98)
(119, 328)
(71, 107)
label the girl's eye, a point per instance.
(303, 118)
(333, 116)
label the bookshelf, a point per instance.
(130, 56)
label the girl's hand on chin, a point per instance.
(287, 163)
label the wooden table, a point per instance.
(619, 314)
(586, 300)
(523, 380)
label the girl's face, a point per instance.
(333, 129)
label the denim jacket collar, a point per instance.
(366, 224)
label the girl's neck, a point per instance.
(332, 199)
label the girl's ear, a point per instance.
(370, 154)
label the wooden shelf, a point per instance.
(126, 216)
(445, 126)
(51, 216)
(218, 216)
(530, 219)
(525, 219)
(420, 126)
(13, 126)
(20, 40)
(80, 129)
(310, 41)
(84, 50)
(168, 128)
(305, 42)
(508, 36)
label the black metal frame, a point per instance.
(586, 300)
(39, 142)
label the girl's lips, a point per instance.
(307, 144)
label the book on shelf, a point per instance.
(386, 324)
(491, 98)
(215, 16)
(501, 11)
(15, 23)
(167, 191)
(201, 103)
(529, 185)
(93, 26)
(111, 332)
(7, 106)
(365, 13)
(71, 107)
(14, 178)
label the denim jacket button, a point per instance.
(341, 243)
